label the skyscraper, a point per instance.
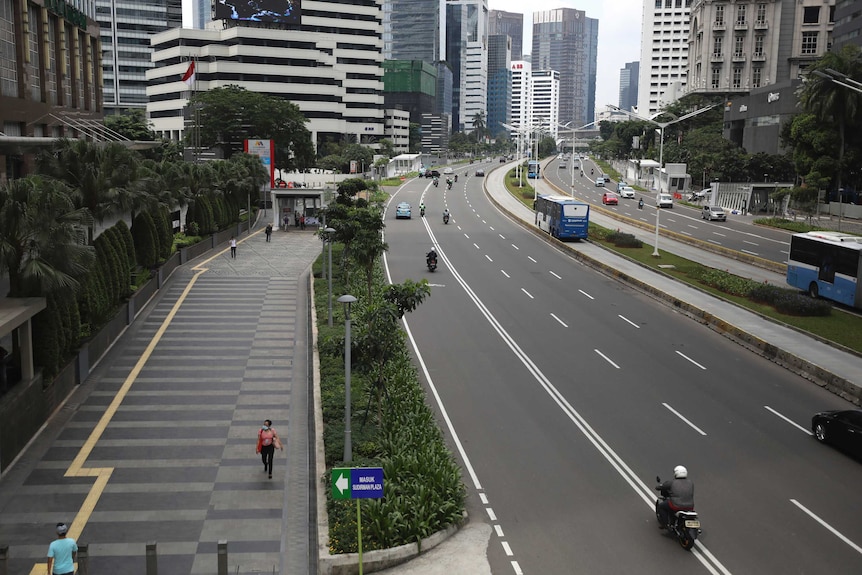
(201, 13)
(412, 29)
(664, 54)
(545, 96)
(466, 37)
(522, 109)
(499, 83)
(510, 24)
(629, 86)
(566, 40)
(126, 29)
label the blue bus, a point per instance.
(534, 170)
(828, 265)
(563, 217)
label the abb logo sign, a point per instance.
(517, 66)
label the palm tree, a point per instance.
(833, 103)
(40, 227)
(479, 125)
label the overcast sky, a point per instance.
(619, 35)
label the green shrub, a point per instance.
(624, 240)
(789, 301)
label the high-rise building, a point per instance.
(522, 109)
(629, 86)
(545, 97)
(412, 29)
(566, 41)
(49, 70)
(410, 85)
(201, 13)
(736, 48)
(466, 37)
(848, 23)
(127, 26)
(499, 83)
(510, 24)
(664, 53)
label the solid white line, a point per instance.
(606, 358)
(506, 549)
(491, 514)
(679, 415)
(691, 360)
(477, 247)
(559, 320)
(793, 423)
(517, 568)
(483, 498)
(489, 258)
(528, 293)
(516, 247)
(505, 274)
(586, 294)
(827, 526)
(630, 321)
(498, 529)
(556, 276)
(532, 260)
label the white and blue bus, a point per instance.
(563, 217)
(534, 170)
(828, 265)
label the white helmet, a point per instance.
(680, 472)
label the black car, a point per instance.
(842, 429)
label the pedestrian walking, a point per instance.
(302, 222)
(267, 442)
(285, 220)
(62, 553)
(296, 219)
(268, 231)
(233, 247)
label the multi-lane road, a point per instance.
(736, 234)
(566, 393)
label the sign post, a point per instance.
(357, 483)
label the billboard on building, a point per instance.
(265, 150)
(281, 11)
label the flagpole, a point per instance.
(197, 128)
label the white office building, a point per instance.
(545, 97)
(664, 54)
(330, 68)
(466, 52)
(522, 108)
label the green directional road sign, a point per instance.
(357, 483)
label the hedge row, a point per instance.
(784, 300)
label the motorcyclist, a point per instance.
(678, 493)
(422, 209)
(456, 177)
(591, 171)
(431, 256)
(641, 204)
(446, 216)
(436, 182)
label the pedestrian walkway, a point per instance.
(159, 443)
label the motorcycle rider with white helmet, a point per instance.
(679, 494)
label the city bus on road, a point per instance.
(827, 265)
(534, 170)
(563, 217)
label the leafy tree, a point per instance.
(387, 148)
(232, 114)
(479, 125)
(132, 124)
(415, 137)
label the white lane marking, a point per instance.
(559, 320)
(629, 321)
(691, 360)
(750, 243)
(528, 293)
(532, 260)
(788, 420)
(671, 220)
(498, 529)
(465, 235)
(787, 253)
(718, 234)
(827, 526)
(477, 247)
(491, 228)
(506, 549)
(484, 222)
(483, 498)
(606, 358)
(586, 294)
(714, 242)
(517, 568)
(491, 513)
(502, 237)
(489, 258)
(750, 253)
(505, 274)
(555, 275)
(691, 226)
(516, 247)
(459, 229)
(685, 233)
(679, 415)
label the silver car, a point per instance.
(713, 213)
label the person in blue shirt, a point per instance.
(62, 553)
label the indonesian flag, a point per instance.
(189, 76)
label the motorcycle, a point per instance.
(435, 183)
(684, 525)
(422, 212)
(456, 177)
(449, 185)
(431, 262)
(445, 218)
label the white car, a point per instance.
(448, 171)
(600, 182)
(664, 200)
(626, 192)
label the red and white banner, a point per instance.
(189, 76)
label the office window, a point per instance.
(758, 44)
(740, 14)
(738, 45)
(719, 14)
(756, 76)
(716, 46)
(811, 15)
(737, 77)
(809, 42)
(716, 77)
(761, 13)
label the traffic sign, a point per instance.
(357, 483)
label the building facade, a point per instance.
(50, 77)
(410, 85)
(629, 86)
(510, 24)
(522, 108)
(566, 41)
(737, 47)
(664, 54)
(466, 54)
(126, 28)
(545, 98)
(332, 69)
(499, 83)
(201, 13)
(848, 23)
(412, 29)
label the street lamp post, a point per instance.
(329, 232)
(662, 126)
(347, 299)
